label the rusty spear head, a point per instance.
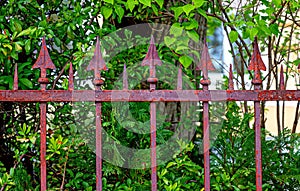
(256, 62)
(205, 63)
(152, 57)
(97, 62)
(205, 60)
(44, 61)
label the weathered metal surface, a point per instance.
(152, 95)
(16, 79)
(205, 65)
(179, 78)
(125, 78)
(71, 78)
(230, 79)
(152, 59)
(147, 96)
(43, 62)
(281, 81)
(97, 64)
(257, 64)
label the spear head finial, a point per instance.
(152, 57)
(44, 62)
(205, 63)
(97, 64)
(256, 62)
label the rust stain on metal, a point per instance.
(230, 79)
(281, 81)
(153, 146)
(147, 96)
(71, 77)
(257, 64)
(16, 79)
(43, 62)
(125, 78)
(205, 63)
(179, 78)
(152, 59)
(97, 64)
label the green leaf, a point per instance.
(274, 29)
(160, 3)
(185, 60)
(27, 45)
(169, 40)
(146, 2)
(120, 12)
(203, 13)
(57, 41)
(177, 12)
(277, 3)
(106, 11)
(155, 10)
(233, 36)
(192, 25)
(26, 82)
(176, 29)
(198, 3)
(193, 35)
(188, 8)
(109, 1)
(253, 33)
(24, 32)
(131, 4)
(18, 26)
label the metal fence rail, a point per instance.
(152, 95)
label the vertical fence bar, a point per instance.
(205, 64)
(16, 79)
(230, 79)
(153, 146)
(43, 143)
(151, 60)
(97, 64)
(206, 142)
(43, 62)
(71, 77)
(98, 147)
(257, 64)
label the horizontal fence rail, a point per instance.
(147, 96)
(152, 95)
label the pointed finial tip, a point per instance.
(44, 60)
(205, 60)
(152, 55)
(97, 62)
(256, 62)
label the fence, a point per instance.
(98, 96)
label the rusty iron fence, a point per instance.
(152, 95)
